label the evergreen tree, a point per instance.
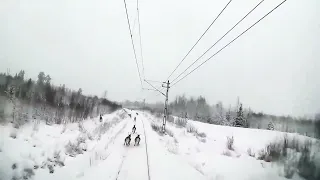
(240, 120)
(270, 126)
(228, 116)
(228, 121)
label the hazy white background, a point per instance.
(273, 68)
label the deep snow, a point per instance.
(183, 156)
(206, 154)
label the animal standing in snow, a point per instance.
(137, 140)
(134, 129)
(127, 140)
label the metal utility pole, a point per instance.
(165, 113)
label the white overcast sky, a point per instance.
(273, 68)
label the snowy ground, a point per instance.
(37, 149)
(209, 155)
(96, 150)
(41, 147)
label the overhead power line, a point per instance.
(231, 41)
(138, 14)
(154, 81)
(200, 38)
(148, 89)
(134, 23)
(134, 50)
(219, 40)
(154, 87)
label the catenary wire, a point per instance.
(231, 42)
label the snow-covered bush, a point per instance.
(307, 165)
(201, 134)
(13, 133)
(64, 128)
(278, 150)
(81, 138)
(303, 163)
(230, 142)
(27, 173)
(36, 125)
(317, 126)
(122, 115)
(170, 119)
(14, 166)
(2, 111)
(50, 167)
(169, 132)
(181, 122)
(58, 160)
(289, 170)
(83, 146)
(262, 154)
(192, 129)
(275, 151)
(81, 141)
(23, 174)
(73, 149)
(227, 153)
(102, 128)
(16, 125)
(294, 144)
(271, 153)
(250, 152)
(158, 115)
(80, 126)
(203, 140)
(90, 137)
(156, 127)
(296, 157)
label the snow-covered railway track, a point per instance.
(146, 148)
(135, 161)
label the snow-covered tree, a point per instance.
(317, 125)
(240, 120)
(270, 126)
(16, 110)
(220, 111)
(203, 109)
(228, 115)
(228, 119)
(191, 108)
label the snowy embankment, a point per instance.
(149, 160)
(40, 151)
(222, 152)
(89, 150)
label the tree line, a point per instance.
(48, 101)
(199, 109)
